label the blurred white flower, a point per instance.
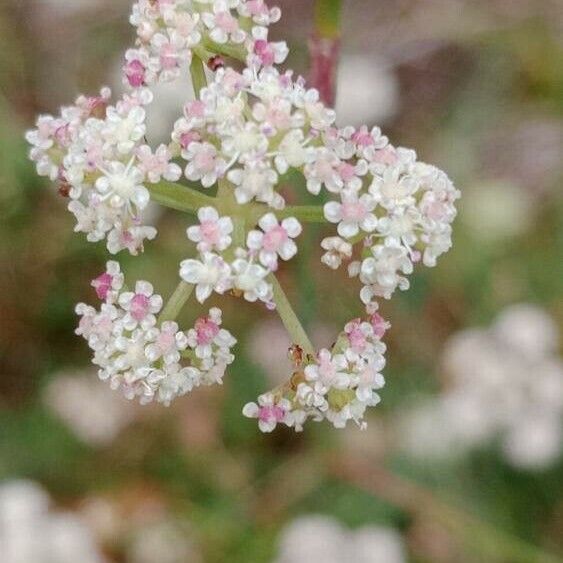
(91, 410)
(30, 533)
(321, 538)
(505, 381)
(367, 90)
(497, 211)
(164, 542)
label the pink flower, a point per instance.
(268, 411)
(206, 331)
(356, 335)
(379, 324)
(274, 240)
(135, 73)
(157, 165)
(353, 214)
(141, 306)
(204, 163)
(213, 232)
(108, 284)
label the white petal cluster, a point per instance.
(249, 128)
(169, 32)
(242, 135)
(338, 385)
(401, 208)
(505, 383)
(30, 531)
(96, 152)
(220, 268)
(323, 538)
(146, 359)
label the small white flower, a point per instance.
(254, 182)
(268, 411)
(213, 231)
(204, 163)
(122, 186)
(274, 240)
(166, 342)
(337, 250)
(382, 271)
(249, 278)
(124, 131)
(353, 214)
(210, 274)
(157, 165)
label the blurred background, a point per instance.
(462, 460)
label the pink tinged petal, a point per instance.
(210, 232)
(102, 284)
(206, 331)
(135, 73)
(139, 306)
(195, 109)
(166, 341)
(274, 239)
(353, 211)
(271, 414)
(187, 138)
(226, 22)
(265, 52)
(379, 325)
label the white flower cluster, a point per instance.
(241, 134)
(506, 382)
(404, 206)
(146, 359)
(90, 410)
(322, 538)
(97, 152)
(246, 274)
(336, 386)
(249, 128)
(169, 32)
(30, 532)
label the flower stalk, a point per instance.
(176, 303)
(324, 47)
(289, 318)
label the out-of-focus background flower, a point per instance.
(462, 462)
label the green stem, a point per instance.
(289, 318)
(179, 197)
(232, 51)
(175, 304)
(305, 213)
(327, 18)
(182, 198)
(197, 71)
